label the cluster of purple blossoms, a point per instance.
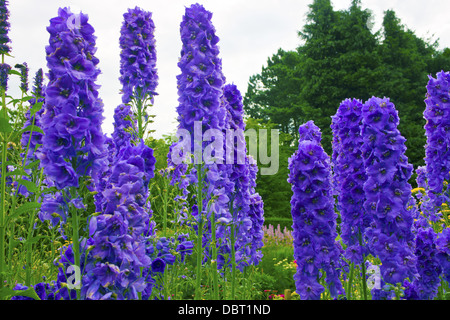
(138, 73)
(124, 124)
(425, 285)
(443, 252)
(118, 243)
(387, 191)
(245, 205)
(314, 219)
(200, 90)
(437, 131)
(349, 177)
(73, 140)
(4, 76)
(4, 27)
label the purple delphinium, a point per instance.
(387, 191)
(118, 249)
(245, 207)
(4, 76)
(314, 219)
(437, 131)
(443, 252)
(124, 124)
(73, 138)
(4, 28)
(138, 73)
(200, 90)
(349, 176)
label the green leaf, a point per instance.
(17, 172)
(33, 164)
(27, 98)
(8, 293)
(33, 239)
(32, 128)
(14, 72)
(36, 107)
(28, 184)
(5, 126)
(24, 208)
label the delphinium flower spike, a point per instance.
(314, 219)
(73, 143)
(73, 138)
(4, 28)
(387, 191)
(246, 204)
(349, 176)
(118, 249)
(200, 90)
(138, 72)
(437, 131)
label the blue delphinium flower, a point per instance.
(314, 219)
(349, 176)
(4, 28)
(4, 76)
(443, 252)
(387, 191)
(437, 131)
(118, 233)
(245, 205)
(138, 73)
(200, 90)
(73, 138)
(124, 126)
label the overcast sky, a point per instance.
(249, 30)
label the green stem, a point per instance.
(364, 281)
(214, 256)
(76, 242)
(350, 280)
(165, 191)
(3, 195)
(200, 232)
(233, 263)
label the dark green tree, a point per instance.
(273, 95)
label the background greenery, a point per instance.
(340, 56)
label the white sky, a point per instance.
(250, 31)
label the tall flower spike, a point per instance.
(437, 131)
(314, 219)
(138, 71)
(387, 191)
(4, 27)
(200, 89)
(246, 205)
(349, 175)
(73, 139)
